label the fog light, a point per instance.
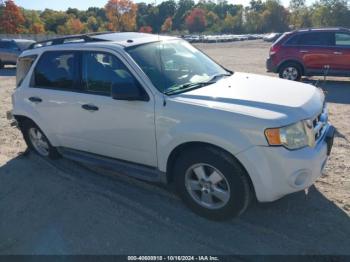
(300, 178)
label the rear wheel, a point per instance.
(37, 141)
(290, 71)
(212, 183)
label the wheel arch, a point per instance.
(22, 118)
(294, 61)
(185, 146)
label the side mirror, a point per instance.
(129, 91)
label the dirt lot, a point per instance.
(62, 207)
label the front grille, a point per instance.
(319, 123)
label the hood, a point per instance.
(259, 96)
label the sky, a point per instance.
(85, 4)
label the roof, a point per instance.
(131, 38)
(125, 39)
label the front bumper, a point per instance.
(277, 171)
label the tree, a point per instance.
(12, 19)
(121, 15)
(146, 29)
(166, 9)
(232, 24)
(184, 7)
(167, 25)
(330, 13)
(300, 14)
(275, 17)
(196, 21)
(33, 23)
(53, 20)
(74, 26)
(92, 24)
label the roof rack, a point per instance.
(69, 39)
(323, 28)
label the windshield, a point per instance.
(176, 65)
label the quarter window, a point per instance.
(342, 39)
(101, 71)
(23, 66)
(57, 70)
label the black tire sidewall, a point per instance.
(290, 64)
(233, 173)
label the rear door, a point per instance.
(316, 50)
(340, 61)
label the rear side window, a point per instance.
(101, 70)
(342, 39)
(317, 39)
(23, 66)
(57, 70)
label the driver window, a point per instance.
(101, 71)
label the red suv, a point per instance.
(311, 52)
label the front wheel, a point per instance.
(290, 71)
(212, 183)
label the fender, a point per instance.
(27, 111)
(232, 142)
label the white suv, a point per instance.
(157, 108)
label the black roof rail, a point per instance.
(69, 39)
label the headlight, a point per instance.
(292, 137)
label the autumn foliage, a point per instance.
(12, 19)
(196, 21)
(121, 15)
(146, 29)
(168, 24)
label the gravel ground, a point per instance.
(61, 207)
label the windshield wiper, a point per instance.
(190, 86)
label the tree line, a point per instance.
(180, 16)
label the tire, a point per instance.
(1, 65)
(224, 177)
(290, 71)
(29, 130)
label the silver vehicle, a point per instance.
(10, 49)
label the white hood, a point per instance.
(259, 96)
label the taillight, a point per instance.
(274, 49)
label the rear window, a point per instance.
(57, 70)
(23, 66)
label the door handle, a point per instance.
(304, 51)
(90, 107)
(35, 99)
(337, 53)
